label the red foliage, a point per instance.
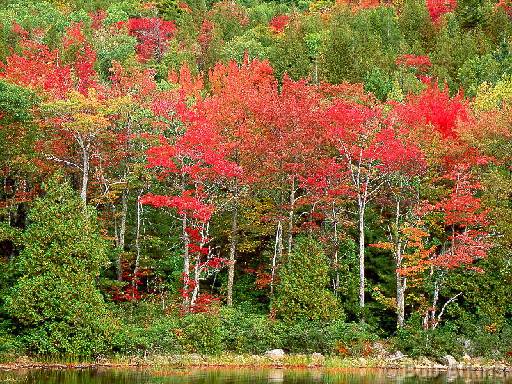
(43, 70)
(152, 34)
(279, 23)
(39, 68)
(437, 8)
(227, 11)
(398, 154)
(130, 291)
(435, 107)
(185, 204)
(506, 5)
(206, 34)
(421, 63)
(19, 30)
(189, 85)
(97, 18)
(464, 219)
(205, 303)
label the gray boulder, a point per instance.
(449, 361)
(275, 353)
(398, 355)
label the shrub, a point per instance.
(55, 301)
(301, 293)
(415, 341)
(201, 333)
(248, 333)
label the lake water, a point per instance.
(243, 376)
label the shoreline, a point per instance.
(157, 362)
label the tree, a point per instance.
(302, 292)
(403, 163)
(354, 133)
(17, 136)
(195, 164)
(437, 8)
(153, 35)
(55, 301)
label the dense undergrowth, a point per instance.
(210, 177)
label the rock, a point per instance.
(398, 355)
(466, 357)
(317, 357)
(379, 350)
(424, 362)
(275, 354)
(449, 361)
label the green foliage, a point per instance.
(378, 83)
(118, 47)
(244, 332)
(55, 300)
(39, 15)
(301, 292)
(169, 9)
(478, 70)
(145, 329)
(256, 43)
(486, 338)
(472, 13)
(289, 53)
(201, 333)
(117, 12)
(18, 133)
(356, 44)
(15, 103)
(249, 333)
(415, 341)
(415, 24)
(489, 97)
(9, 343)
(467, 335)
(454, 47)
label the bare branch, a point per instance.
(445, 305)
(66, 162)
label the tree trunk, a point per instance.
(198, 269)
(290, 217)
(122, 232)
(400, 280)
(430, 317)
(186, 265)
(361, 256)
(137, 235)
(400, 299)
(197, 275)
(85, 171)
(278, 253)
(232, 254)
(336, 280)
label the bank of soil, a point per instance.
(268, 361)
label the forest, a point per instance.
(233, 176)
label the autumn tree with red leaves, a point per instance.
(153, 35)
(194, 161)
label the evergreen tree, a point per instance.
(55, 300)
(301, 293)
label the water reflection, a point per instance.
(242, 376)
